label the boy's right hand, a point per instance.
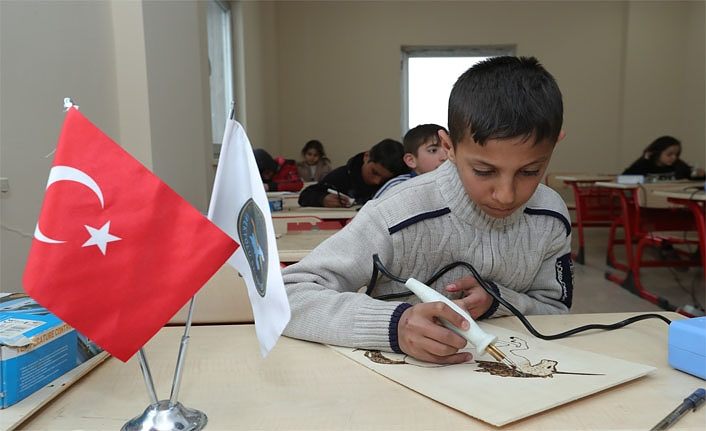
(333, 201)
(422, 336)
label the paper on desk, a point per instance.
(500, 400)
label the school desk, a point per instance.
(696, 201)
(308, 386)
(289, 199)
(294, 245)
(644, 218)
(593, 206)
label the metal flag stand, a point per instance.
(166, 415)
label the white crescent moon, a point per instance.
(67, 173)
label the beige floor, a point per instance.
(594, 294)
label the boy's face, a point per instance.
(501, 176)
(373, 173)
(430, 156)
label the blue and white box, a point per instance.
(36, 347)
(687, 346)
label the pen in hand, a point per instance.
(692, 402)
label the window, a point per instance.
(220, 68)
(428, 74)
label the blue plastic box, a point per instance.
(35, 348)
(687, 346)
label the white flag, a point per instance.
(239, 206)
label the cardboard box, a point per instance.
(36, 347)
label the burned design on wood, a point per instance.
(377, 357)
(522, 367)
(545, 368)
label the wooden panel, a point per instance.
(498, 394)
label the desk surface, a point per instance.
(293, 246)
(697, 195)
(318, 212)
(651, 194)
(578, 178)
(308, 386)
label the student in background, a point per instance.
(360, 178)
(277, 174)
(315, 165)
(661, 158)
(486, 206)
(423, 153)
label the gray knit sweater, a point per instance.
(427, 223)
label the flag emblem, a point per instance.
(252, 231)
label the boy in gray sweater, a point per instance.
(485, 205)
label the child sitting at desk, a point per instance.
(422, 153)
(278, 175)
(315, 165)
(485, 205)
(360, 178)
(661, 158)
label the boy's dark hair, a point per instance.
(505, 97)
(316, 145)
(389, 153)
(264, 161)
(417, 136)
(655, 149)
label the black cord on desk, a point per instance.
(378, 267)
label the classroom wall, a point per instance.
(629, 71)
(138, 70)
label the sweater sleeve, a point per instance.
(313, 196)
(551, 290)
(323, 289)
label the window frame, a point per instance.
(408, 52)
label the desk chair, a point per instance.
(595, 207)
(645, 227)
(592, 206)
(224, 299)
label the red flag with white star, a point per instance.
(116, 252)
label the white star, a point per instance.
(100, 237)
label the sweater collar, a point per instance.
(462, 206)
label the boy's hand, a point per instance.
(333, 201)
(421, 335)
(474, 298)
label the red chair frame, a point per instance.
(595, 206)
(641, 228)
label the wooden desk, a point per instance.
(308, 386)
(289, 199)
(293, 246)
(644, 218)
(320, 212)
(594, 206)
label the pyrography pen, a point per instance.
(481, 340)
(692, 402)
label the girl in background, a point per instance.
(315, 165)
(661, 158)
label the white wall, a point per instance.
(139, 72)
(629, 71)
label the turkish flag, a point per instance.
(116, 252)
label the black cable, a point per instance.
(378, 266)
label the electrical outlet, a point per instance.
(4, 185)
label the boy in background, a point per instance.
(278, 175)
(486, 206)
(360, 178)
(423, 153)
